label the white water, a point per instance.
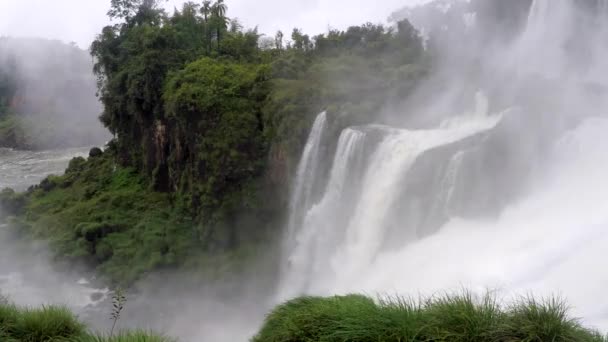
(388, 165)
(307, 172)
(311, 252)
(550, 243)
(335, 241)
(549, 240)
(20, 169)
(541, 46)
(441, 206)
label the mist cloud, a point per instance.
(79, 21)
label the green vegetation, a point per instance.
(105, 216)
(57, 324)
(357, 318)
(352, 318)
(108, 217)
(38, 325)
(11, 131)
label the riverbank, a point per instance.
(106, 216)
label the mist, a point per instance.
(81, 23)
(490, 175)
(54, 103)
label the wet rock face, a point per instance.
(437, 188)
(471, 178)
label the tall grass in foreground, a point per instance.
(352, 318)
(57, 324)
(464, 317)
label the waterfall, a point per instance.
(306, 174)
(514, 201)
(382, 186)
(345, 230)
(551, 242)
(441, 205)
(542, 47)
(320, 227)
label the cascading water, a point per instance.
(310, 252)
(548, 243)
(306, 173)
(334, 237)
(441, 205)
(416, 219)
(542, 46)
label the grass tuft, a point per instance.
(58, 324)
(48, 323)
(546, 320)
(460, 318)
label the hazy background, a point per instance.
(79, 21)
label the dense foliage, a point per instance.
(358, 318)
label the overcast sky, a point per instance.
(81, 20)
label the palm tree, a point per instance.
(235, 26)
(206, 12)
(219, 10)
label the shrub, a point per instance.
(48, 323)
(8, 318)
(547, 320)
(463, 318)
(11, 202)
(58, 324)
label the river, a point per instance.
(27, 276)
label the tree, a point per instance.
(220, 8)
(220, 21)
(136, 12)
(8, 83)
(123, 9)
(300, 41)
(235, 26)
(214, 107)
(206, 10)
(278, 40)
